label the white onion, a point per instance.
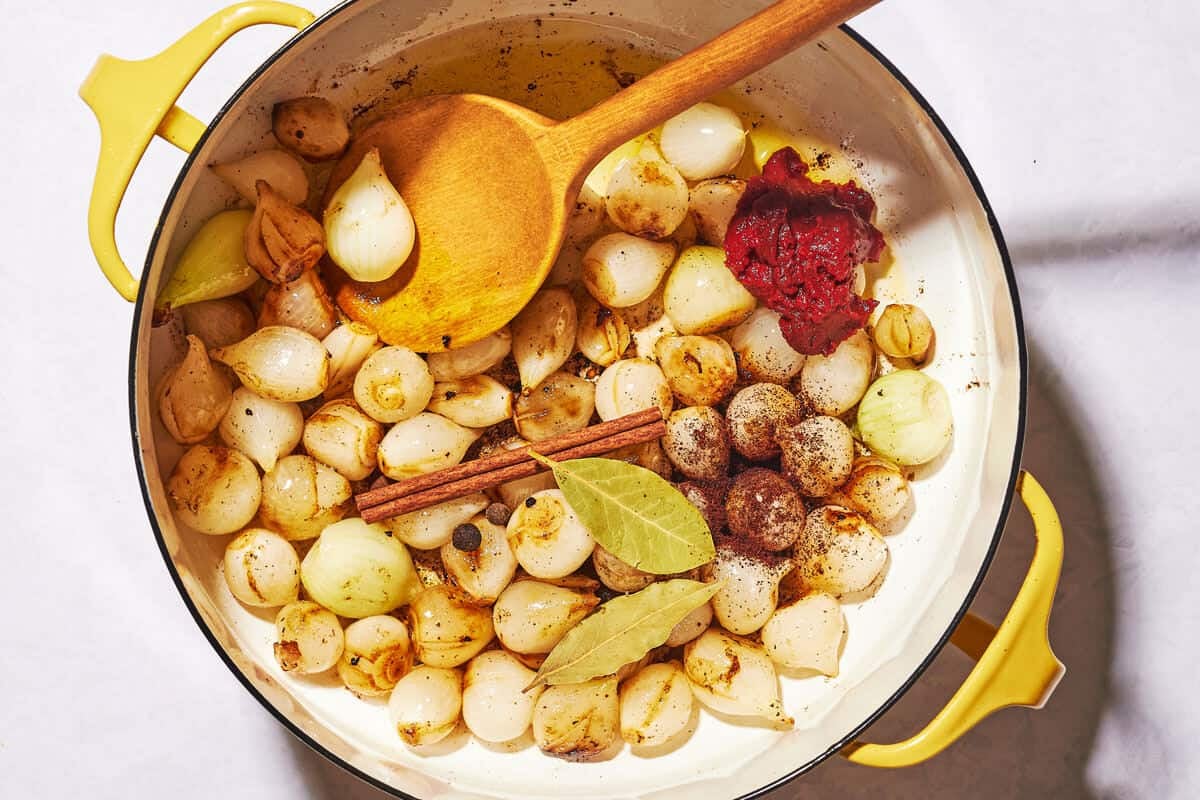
(577, 721)
(531, 616)
(482, 573)
(755, 414)
(547, 536)
(429, 528)
(369, 231)
(840, 552)
(750, 592)
(646, 195)
(806, 634)
(281, 169)
(341, 436)
(763, 353)
(425, 705)
(262, 569)
(301, 496)
(560, 404)
(631, 385)
(263, 429)
(472, 359)
(702, 295)
(733, 675)
(348, 344)
(711, 205)
(704, 141)
(697, 442)
(905, 417)
(621, 270)
(817, 454)
(475, 402)
(425, 443)
(279, 363)
(447, 628)
(543, 335)
(393, 384)
(832, 384)
(496, 706)
(602, 335)
(701, 370)
(309, 638)
(214, 489)
(377, 655)
(656, 704)
(193, 395)
(357, 570)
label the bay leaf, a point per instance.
(623, 630)
(634, 514)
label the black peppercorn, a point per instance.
(530, 502)
(497, 514)
(466, 537)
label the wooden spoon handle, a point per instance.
(674, 87)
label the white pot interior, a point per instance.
(376, 52)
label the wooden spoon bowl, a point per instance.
(490, 184)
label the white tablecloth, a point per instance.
(1081, 120)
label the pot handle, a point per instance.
(134, 100)
(1015, 665)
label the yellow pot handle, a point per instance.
(134, 100)
(1016, 666)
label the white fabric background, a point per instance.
(1081, 120)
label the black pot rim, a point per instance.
(1010, 490)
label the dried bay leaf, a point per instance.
(634, 514)
(623, 630)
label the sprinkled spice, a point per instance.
(467, 538)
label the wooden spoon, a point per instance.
(490, 184)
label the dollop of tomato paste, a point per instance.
(794, 244)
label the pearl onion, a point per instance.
(840, 552)
(656, 704)
(301, 496)
(712, 205)
(310, 638)
(577, 721)
(262, 569)
(751, 590)
(340, 435)
(704, 141)
(448, 629)
(482, 573)
(763, 354)
(620, 270)
(732, 675)
(214, 489)
(531, 616)
(425, 443)
(377, 655)
(472, 359)
(548, 538)
(697, 442)
(755, 413)
(495, 705)
(631, 385)
(393, 384)
(876, 488)
(701, 370)
(833, 384)
(817, 454)
(702, 295)
(806, 634)
(425, 705)
(646, 195)
(431, 527)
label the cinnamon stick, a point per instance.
(498, 469)
(547, 447)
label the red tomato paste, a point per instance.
(794, 244)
